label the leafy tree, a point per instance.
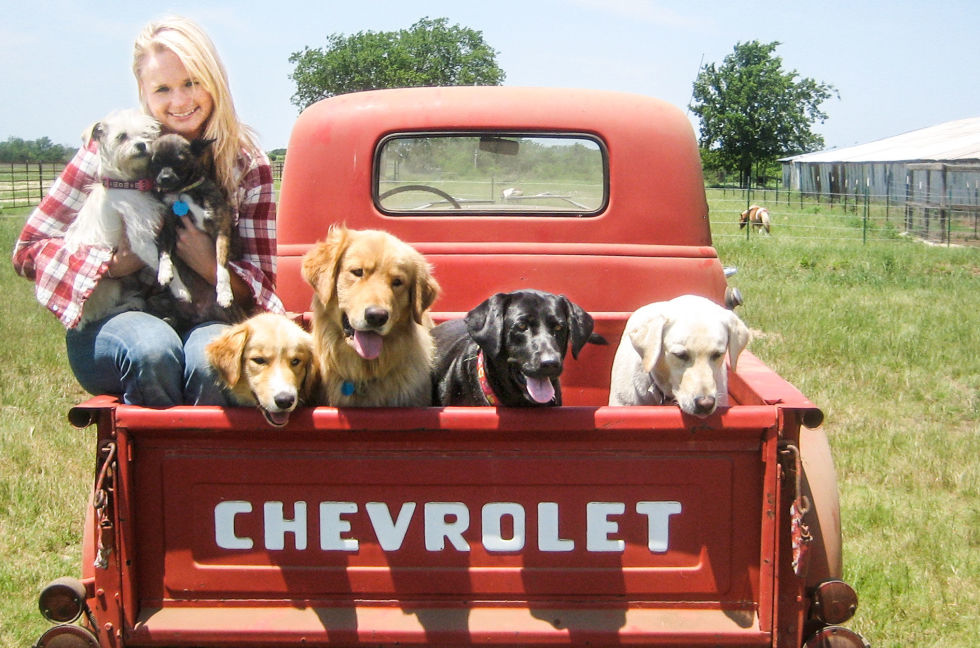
(430, 53)
(18, 150)
(752, 111)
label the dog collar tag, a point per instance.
(347, 388)
(180, 208)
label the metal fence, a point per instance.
(934, 217)
(927, 212)
(24, 184)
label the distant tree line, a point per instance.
(42, 149)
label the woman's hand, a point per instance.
(196, 248)
(124, 261)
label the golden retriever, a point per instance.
(675, 350)
(266, 361)
(757, 217)
(371, 294)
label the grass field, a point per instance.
(883, 336)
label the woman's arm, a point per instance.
(257, 229)
(63, 278)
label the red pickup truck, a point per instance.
(582, 524)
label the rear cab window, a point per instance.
(518, 174)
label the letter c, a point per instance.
(224, 524)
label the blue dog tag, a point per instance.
(180, 208)
(347, 388)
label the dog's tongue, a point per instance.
(277, 419)
(367, 344)
(540, 389)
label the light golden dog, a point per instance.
(371, 294)
(757, 217)
(266, 361)
(675, 350)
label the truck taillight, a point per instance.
(62, 600)
(834, 602)
(836, 637)
(67, 636)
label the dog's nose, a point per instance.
(375, 316)
(550, 366)
(141, 147)
(704, 404)
(284, 400)
(166, 176)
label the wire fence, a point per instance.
(793, 214)
(24, 184)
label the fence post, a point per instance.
(949, 211)
(866, 209)
(40, 182)
(748, 203)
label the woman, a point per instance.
(183, 84)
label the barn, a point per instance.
(933, 172)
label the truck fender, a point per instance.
(819, 484)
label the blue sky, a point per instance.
(898, 65)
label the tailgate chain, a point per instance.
(100, 502)
(799, 529)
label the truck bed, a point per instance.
(576, 525)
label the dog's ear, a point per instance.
(486, 323)
(225, 353)
(322, 262)
(94, 131)
(200, 145)
(311, 381)
(738, 338)
(425, 290)
(647, 338)
(580, 326)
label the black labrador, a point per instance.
(509, 350)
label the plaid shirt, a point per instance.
(64, 280)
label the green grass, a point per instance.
(45, 464)
(881, 336)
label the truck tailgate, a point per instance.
(447, 525)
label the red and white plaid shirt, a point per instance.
(64, 280)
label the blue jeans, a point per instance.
(143, 359)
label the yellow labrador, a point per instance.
(675, 350)
(266, 361)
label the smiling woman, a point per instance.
(178, 101)
(134, 354)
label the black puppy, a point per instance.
(182, 172)
(509, 350)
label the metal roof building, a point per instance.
(933, 172)
(895, 166)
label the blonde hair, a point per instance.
(197, 53)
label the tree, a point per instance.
(753, 112)
(42, 149)
(430, 53)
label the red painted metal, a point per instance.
(579, 525)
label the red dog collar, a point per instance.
(481, 372)
(139, 185)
